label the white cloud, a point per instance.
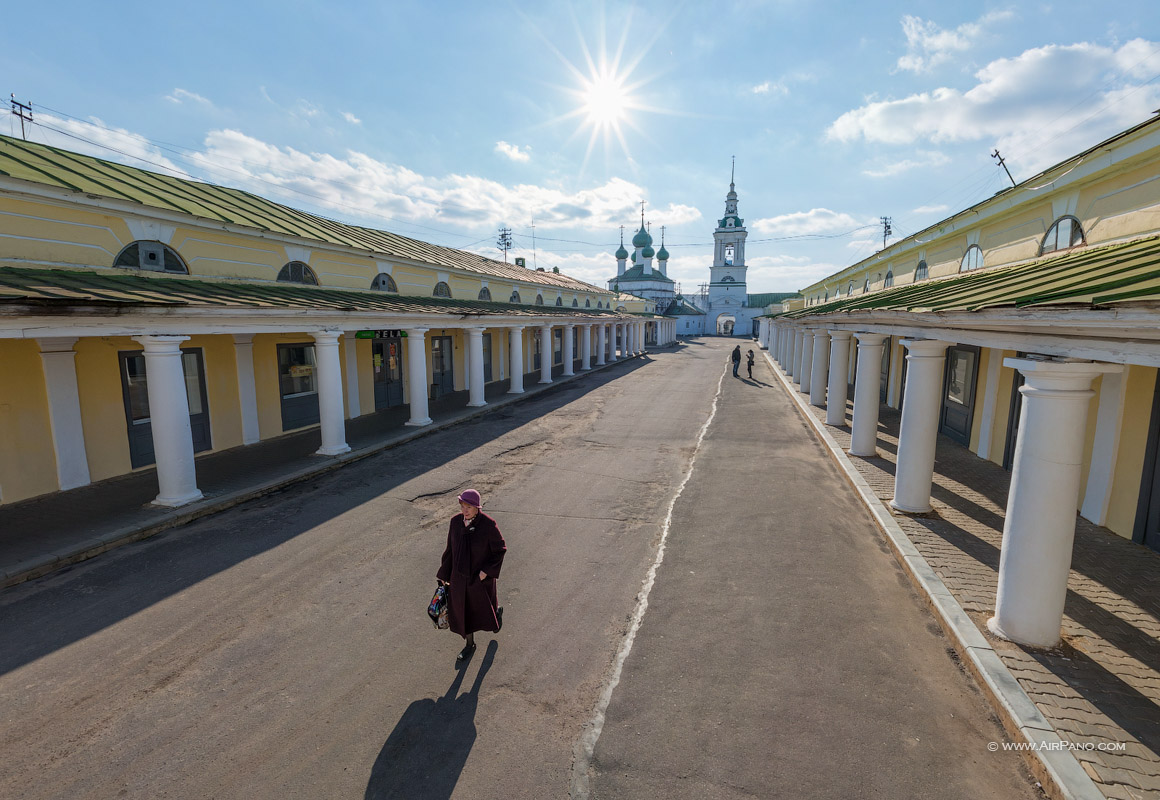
(512, 151)
(131, 148)
(356, 183)
(351, 118)
(179, 96)
(923, 158)
(865, 244)
(780, 87)
(805, 223)
(770, 88)
(1039, 107)
(928, 45)
(931, 209)
(786, 274)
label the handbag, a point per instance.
(437, 609)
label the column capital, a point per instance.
(516, 327)
(545, 326)
(475, 330)
(326, 337)
(1059, 376)
(243, 338)
(416, 331)
(57, 344)
(841, 336)
(161, 343)
(871, 339)
(925, 348)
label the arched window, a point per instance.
(588, 302)
(153, 256)
(539, 299)
(728, 254)
(850, 289)
(889, 278)
(441, 290)
(621, 308)
(972, 259)
(575, 302)
(727, 279)
(866, 286)
(599, 304)
(920, 272)
(485, 294)
(559, 301)
(515, 298)
(826, 297)
(384, 283)
(297, 272)
(1063, 235)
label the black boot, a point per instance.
(499, 619)
(466, 653)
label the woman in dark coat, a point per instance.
(471, 564)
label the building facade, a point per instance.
(146, 319)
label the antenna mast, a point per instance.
(1003, 165)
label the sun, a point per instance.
(605, 100)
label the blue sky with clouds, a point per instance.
(444, 121)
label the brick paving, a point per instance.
(1102, 684)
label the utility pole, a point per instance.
(20, 109)
(886, 230)
(1003, 165)
(504, 242)
(533, 245)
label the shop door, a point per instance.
(1014, 412)
(442, 367)
(884, 384)
(958, 408)
(1147, 527)
(558, 346)
(536, 352)
(297, 386)
(134, 390)
(487, 358)
(387, 364)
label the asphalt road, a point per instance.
(281, 649)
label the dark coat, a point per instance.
(736, 356)
(472, 603)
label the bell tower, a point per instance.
(727, 275)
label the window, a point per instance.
(515, 298)
(889, 278)
(1064, 234)
(729, 255)
(153, 256)
(850, 289)
(727, 279)
(588, 302)
(599, 305)
(297, 272)
(539, 299)
(485, 294)
(441, 290)
(866, 286)
(621, 308)
(826, 297)
(972, 259)
(559, 301)
(920, 272)
(384, 283)
(575, 303)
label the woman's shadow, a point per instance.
(425, 753)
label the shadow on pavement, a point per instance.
(423, 757)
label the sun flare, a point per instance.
(605, 100)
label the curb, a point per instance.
(1058, 772)
(39, 566)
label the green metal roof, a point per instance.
(1093, 276)
(763, 300)
(682, 307)
(65, 169)
(637, 274)
(55, 288)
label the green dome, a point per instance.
(662, 254)
(648, 252)
(642, 239)
(621, 253)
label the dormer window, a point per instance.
(485, 294)
(1065, 234)
(921, 271)
(152, 256)
(297, 272)
(515, 298)
(441, 290)
(889, 278)
(384, 283)
(972, 259)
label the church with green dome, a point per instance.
(642, 278)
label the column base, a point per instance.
(542, 382)
(993, 627)
(476, 405)
(515, 391)
(174, 502)
(905, 510)
(337, 450)
(418, 423)
(567, 374)
(871, 454)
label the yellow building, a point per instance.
(1026, 328)
(145, 319)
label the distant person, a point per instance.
(471, 563)
(749, 363)
(736, 359)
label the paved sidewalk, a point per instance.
(41, 535)
(1102, 684)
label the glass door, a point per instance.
(487, 358)
(135, 392)
(958, 409)
(442, 369)
(297, 386)
(387, 369)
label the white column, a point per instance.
(1106, 446)
(545, 354)
(516, 359)
(642, 327)
(807, 359)
(567, 345)
(585, 348)
(169, 419)
(627, 341)
(836, 389)
(247, 388)
(417, 376)
(796, 369)
(1040, 523)
(914, 471)
(613, 332)
(475, 368)
(786, 336)
(601, 343)
(350, 352)
(990, 401)
(329, 377)
(58, 360)
(819, 368)
(867, 395)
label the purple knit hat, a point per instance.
(471, 497)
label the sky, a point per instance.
(447, 121)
